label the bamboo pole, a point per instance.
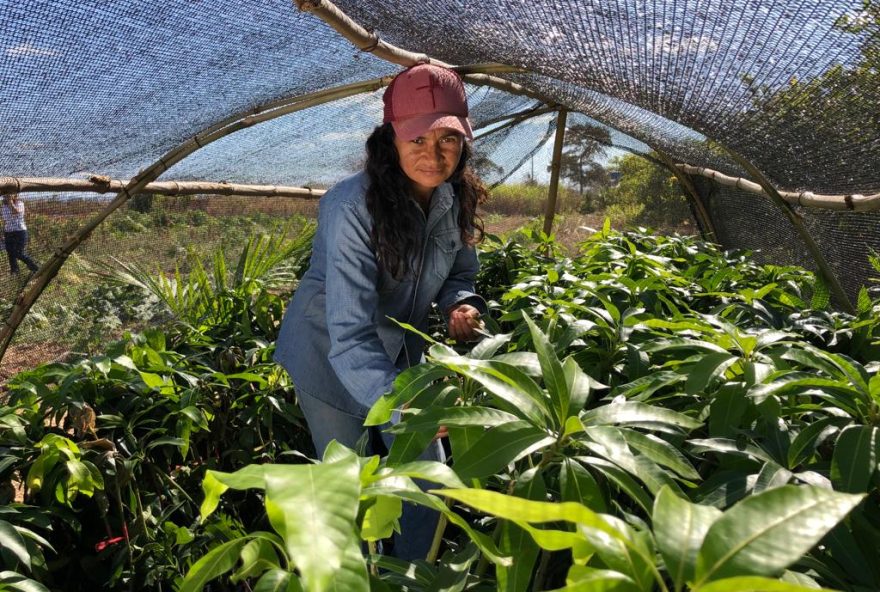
(99, 184)
(798, 223)
(520, 115)
(854, 202)
(703, 217)
(555, 166)
(515, 120)
(370, 42)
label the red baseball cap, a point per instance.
(426, 97)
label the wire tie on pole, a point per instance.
(373, 44)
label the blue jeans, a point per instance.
(16, 243)
(417, 523)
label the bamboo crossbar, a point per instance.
(96, 184)
(854, 202)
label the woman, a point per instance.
(391, 240)
(15, 233)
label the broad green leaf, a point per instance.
(418, 572)
(554, 376)
(708, 368)
(661, 452)
(498, 447)
(436, 472)
(577, 484)
(532, 512)
(408, 491)
(612, 537)
(10, 580)
(728, 446)
(755, 584)
(516, 542)
(633, 412)
(454, 568)
(679, 529)
(410, 446)
(677, 343)
(257, 557)
(765, 533)
(278, 580)
(632, 556)
(621, 478)
(216, 483)
(863, 302)
(489, 346)
(453, 417)
(726, 410)
(642, 388)
(855, 458)
(610, 443)
(314, 509)
(407, 386)
(513, 390)
(526, 361)
(771, 475)
(215, 563)
(588, 579)
(380, 518)
(463, 439)
(579, 386)
(12, 541)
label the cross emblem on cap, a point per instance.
(432, 84)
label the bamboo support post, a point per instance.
(98, 184)
(555, 166)
(703, 218)
(797, 222)
(853, 202)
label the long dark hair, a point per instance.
(396, 224)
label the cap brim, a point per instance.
(413, 127)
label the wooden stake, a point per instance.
(555, 167)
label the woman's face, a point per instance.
(429, 160)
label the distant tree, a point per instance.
(645, 194)
(485, 167)
(583, 143)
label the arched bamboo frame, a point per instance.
(480, 74)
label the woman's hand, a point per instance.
(463, 321)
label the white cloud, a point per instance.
(694, 43)
(26, 49)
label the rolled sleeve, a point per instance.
(357, 354)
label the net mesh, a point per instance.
(90, 87)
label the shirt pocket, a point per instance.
(446, 244)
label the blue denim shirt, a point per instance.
(336, 340)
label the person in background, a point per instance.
(15, 234)
(391, 241)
